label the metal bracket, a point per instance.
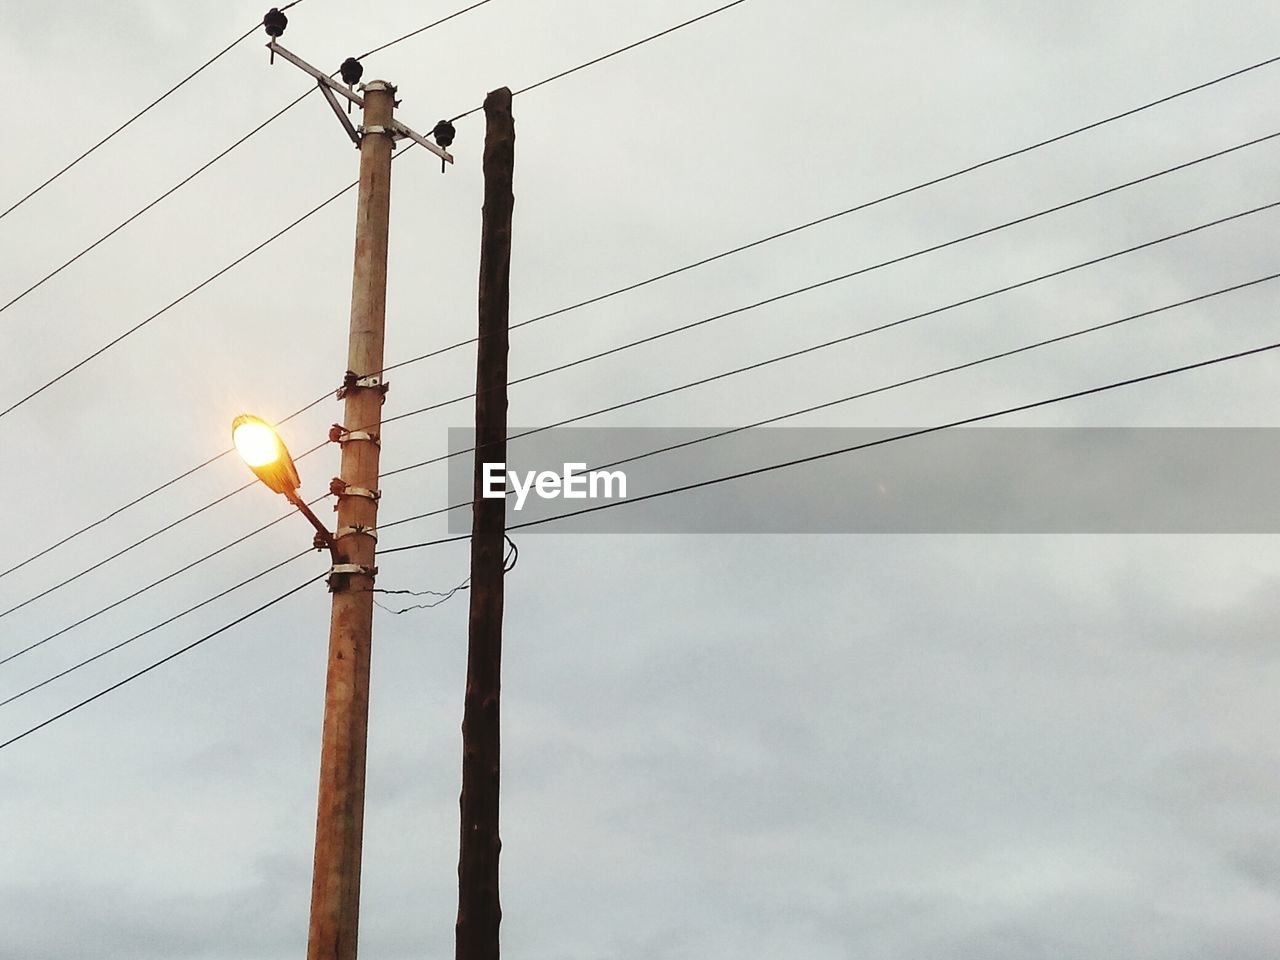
(355, 531)
(331, 87)
(352, 382)
(340, 434)
(339, 488)
(353, 568)
(339, 572)
(401, 130)
(338, 112)
(377, 129)
(323, 78)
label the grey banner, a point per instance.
(886, 480)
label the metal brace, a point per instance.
(352, 382)
(355, 531)
(339, 488)
(340, 434)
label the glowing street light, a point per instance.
(264, 452)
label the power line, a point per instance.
(214, 459)
(138, 636)
(813, 348)
(414, 33)
(150, 586)
(508, 564)
(150, 493)
(707, 260)
(743, 369)
(955, 368)
(234, 263)
(814, 458)
(611, 55)
(893, 261)
(755, 305)
(145, 670)
(1025, 348)
(156, 102)
(684, 488)
(168, 193)
(865, 205)
(173, 303)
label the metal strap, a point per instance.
(351, 382)
(359, 492)
(377, 128)
(353, 531)
(353, 568)
(339, 572)
(340, 434)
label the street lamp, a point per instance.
(264, 452)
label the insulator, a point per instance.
(275, 22)
(444, 133)
(352, 70)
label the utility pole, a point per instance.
(335, 888)
(479, 911)
(335, 885)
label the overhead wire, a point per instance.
(159, 663)
(879, 328)
(854, 448)
(685, 488)
(155, 583)
(141, 113)
(1006, 411)
(840, 278)
(1060, 338)
(651, 338)
(414, 33)
(508, 564)
(138, 636)
(609, 56)
(168, 193)
(727, 253)
(95, 354)
(150, 493)
(173, 303)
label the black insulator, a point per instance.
(352, 70)
(444, 133)
(275, 22)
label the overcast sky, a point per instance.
(935, 747)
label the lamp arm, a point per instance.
(323, 537)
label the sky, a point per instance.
(827, 745)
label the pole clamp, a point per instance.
(339, 572)
(351, 382)
(339, 488)
(355, 530)
(378, 129)
(353, 568)
(340, 434)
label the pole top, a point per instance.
(379, 85)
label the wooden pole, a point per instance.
(335, 889)
(479, 912)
